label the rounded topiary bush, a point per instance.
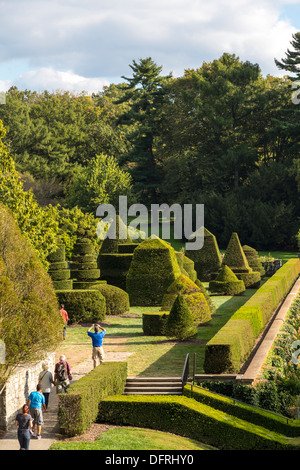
(117, 300)
(83, 305)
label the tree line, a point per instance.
(222, 135)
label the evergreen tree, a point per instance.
(145, 93)
(289, 125)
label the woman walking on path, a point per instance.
(46, 380)
(24, 422)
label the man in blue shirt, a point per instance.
(97, 341)
(36, 403)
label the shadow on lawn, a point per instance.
(171, 363)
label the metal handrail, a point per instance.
(186, 369)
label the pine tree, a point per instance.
(290, 123)
(145, 93)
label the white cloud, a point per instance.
(100, 39)
(52, 80)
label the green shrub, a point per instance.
(84, 264)
(83, 305)
(180, 322)
(117, 300)
(30, 322)
(115, 236)
(154, 323)
(226, 283)
(193, 296)
(253, 259)
(207, 260)
(58, 269)
(250, 280)
(232, 344)
(114, 268)
(253, 396)
(86, 284)
(66, 284)
(78, 408)
(185, 417)
(153, 269)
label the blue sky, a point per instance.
(76, 45)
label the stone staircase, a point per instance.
(153, 386)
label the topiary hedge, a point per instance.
(186, 417)
(236, 260)
(207, 260)
(226, 283)
(153, 268)
(180, 322)
(58, 269)
(114, 268)
(241, 410)
(78, 408)
(83, 305)
(192, 294)
(84, 264)
(231, 346)
(154, 323)
(117, 300)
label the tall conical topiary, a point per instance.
(226, 283)
(236, 260)
(208, 259)
(180, 323)
(235, 257)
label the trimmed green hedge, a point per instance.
(241, 410)
(186, 417)
(114, 267)
(154, 323)
(208, 259)
(153, 268)
(78, 408)
(231, 346)
(117, 300)
(83, 305)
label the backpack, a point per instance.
(62, 373)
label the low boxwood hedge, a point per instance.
(243, 411)
(186, 417)
(154, 323)
(83, 305)
(231, 346)
(78, 408)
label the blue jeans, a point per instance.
(24, 438)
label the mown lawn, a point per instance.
(129, 438)
(153, 355)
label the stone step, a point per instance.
(153, 386)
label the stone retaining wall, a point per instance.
(18, 388)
